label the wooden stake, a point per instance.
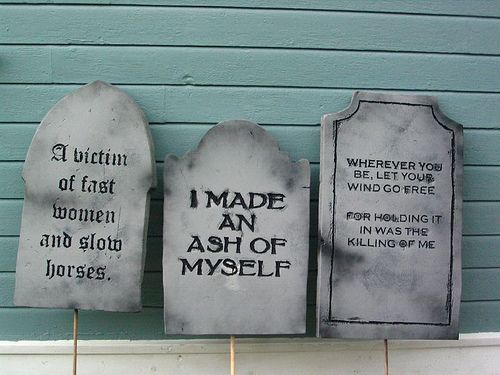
(386, 352)
(75, 339)
(231, 346)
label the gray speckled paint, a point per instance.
(235, 156)
(60, 200)
(394, 276)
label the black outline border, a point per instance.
(449, 304)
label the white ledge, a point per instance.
(244, 345)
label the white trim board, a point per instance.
(477, 353)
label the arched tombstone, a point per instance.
(235, 236)
(87, 176)
(390, 220)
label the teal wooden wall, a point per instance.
(190, 64)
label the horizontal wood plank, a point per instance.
(480, 183)
(8, 253)
(476, 286)
(198, 104)
(481, 8)
(481, 147)
(12, 186)
(11, 182)
(179, 26)
(477, 252)
(154, 251)
(301, 142)
(10, 217)
(480, 218)
(481, 251)
(480, 316)
(20, 61)
(55, 324)
(257, 67)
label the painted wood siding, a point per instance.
(190, 64)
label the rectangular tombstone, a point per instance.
(236, 229)
(87, 176)
(390, 220)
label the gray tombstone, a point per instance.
(390, 220)
(235, 236)
(87, 176)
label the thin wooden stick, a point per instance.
(75, 339)
(386, 352)
(231, 346)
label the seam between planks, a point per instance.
(249, 7)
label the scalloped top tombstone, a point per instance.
(87, 177)
(389, 264)
(236, 235)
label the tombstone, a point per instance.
(235, 236)
(87, 176)
(390, 220)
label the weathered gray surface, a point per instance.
(247, 293)
(393, 276)
(82, 244)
